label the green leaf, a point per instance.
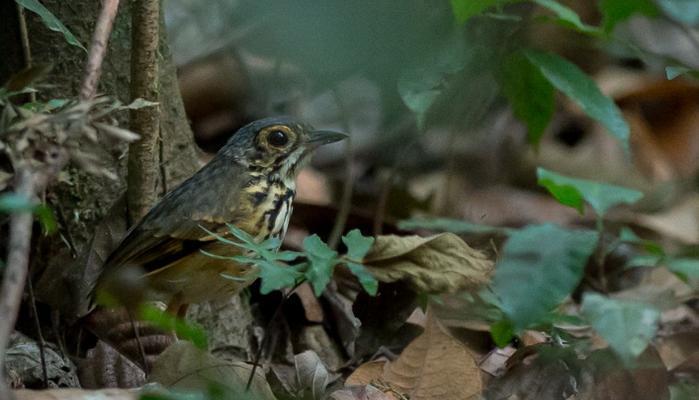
(14, 202)
(684, 11)
(184, 329)
(567, 17)
(357, 244)
(451, 225)
(673, 71)
(322, 260)
(615, 11)
(46, 218)
(465, 9)
(275, 276)
(572, 81)
(529, 94)
(50, 21)
(571, 191)
(367, 280)
(420, 85)
(539, 267)
(502, 332)
(627, 326)
(688, 268)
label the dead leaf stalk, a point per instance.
(348, 186)
(98, 48)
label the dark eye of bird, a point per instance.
(277, 138)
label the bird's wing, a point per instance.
(172, 229)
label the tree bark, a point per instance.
(81, 201)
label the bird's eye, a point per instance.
(277, 138)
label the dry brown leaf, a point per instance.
(366, 373)
(183, 366)
(440, 263)
(367, 392)
(435, 366)
(676, 349)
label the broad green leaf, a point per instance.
(50, 21)
(567, 17)
(421, 84)
(46, 218)
(615, 11)
(688, 268)
(451, 225)
(673, 71)
(502, 332)
(366, 279)
(684, 11)
(627, 326)
(529, 94)
(357, 244)
(571, 191)
(185, 329)
(465, 9)
(577, 85)
(539, 267)
(322, 260)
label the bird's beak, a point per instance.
(319, 138)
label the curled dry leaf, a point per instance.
(367, 392)
(184, 366)
(311, 373)
(440, 263)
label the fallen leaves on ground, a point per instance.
(434, 366)
(440, 263)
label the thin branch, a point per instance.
(98, 48)
(40, 334)
(143, 166)
(24, 39)
(16, 269)
(348, 187)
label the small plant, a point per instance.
(314, 265)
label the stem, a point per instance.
(98, 48)
(348, 187)
(15, 274)
(40, 334)
(26, 48)
(142, 165)
(601, 250)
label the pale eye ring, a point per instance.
(278, 138)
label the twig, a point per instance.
(348, 187)
(98, 48)
(26, 48)
(15, 274)
(40, 334)
(142, 164)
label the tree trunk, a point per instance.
(82, 201)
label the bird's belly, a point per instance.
(200, 278)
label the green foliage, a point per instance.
(673, 71)
(50, 21)
(627, 326)
(539, 267)
(314, 265)
(577, 85)
(529, 93)
(465, 9)
(684, 11)
(615, 11)
(572, 191)
(184, 329)
(567, 17)
(451, 225)
(13, 202)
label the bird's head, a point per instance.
(277, 146)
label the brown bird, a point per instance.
(250, 183)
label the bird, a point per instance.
(250, 183)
